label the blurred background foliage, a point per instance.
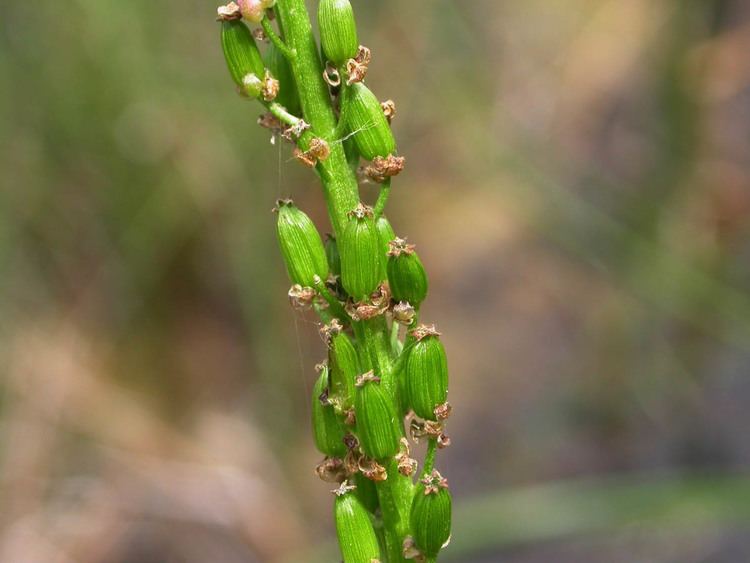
(578, 183)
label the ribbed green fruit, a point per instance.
(241, 53)
(367, 492)
(328, 431)
(344, 369)
(406, 274)
(431, 514)
(364, 118)
(357, 540)
(377, 423)
(301, 246)
(352, 153)
(426, 374)
(281, 70)
(385, 236)
(360, 254)
(333, 256)
(338, 30)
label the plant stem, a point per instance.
(395, 501)
(281, 113)
(385, 191)
(339, 183)
(429, 458)
(290, 54)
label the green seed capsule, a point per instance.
(301, 246)
(241, 53)
(406, 274)
(327, 430)
(333, 256)
(360, 254)
(385, 236)
(344, 369)
(367, 492)
(338, 31)
(377, 424)
(364, 118)
(431, 514)
(281, 70)
(426, 372)
(357, 540)
(352, 153)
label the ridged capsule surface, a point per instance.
(360, 254)
(365, 119)
(426, 373)
(338, 30)
(328, 431)
(357, 540)
(431, 514)
(240, 52)
(367, 492)
(333, 256)
(281, 70)
(344, 369)
(406, 274)
(377, 424)
(301, 245)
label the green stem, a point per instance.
(385, 191)
(396, 345)
(290, 54)
(429, 458)
(281, 113)
(395, 502)
(339, 182)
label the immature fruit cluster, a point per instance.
(365, 283)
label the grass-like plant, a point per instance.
(380, 384)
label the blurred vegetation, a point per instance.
(578, 182)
